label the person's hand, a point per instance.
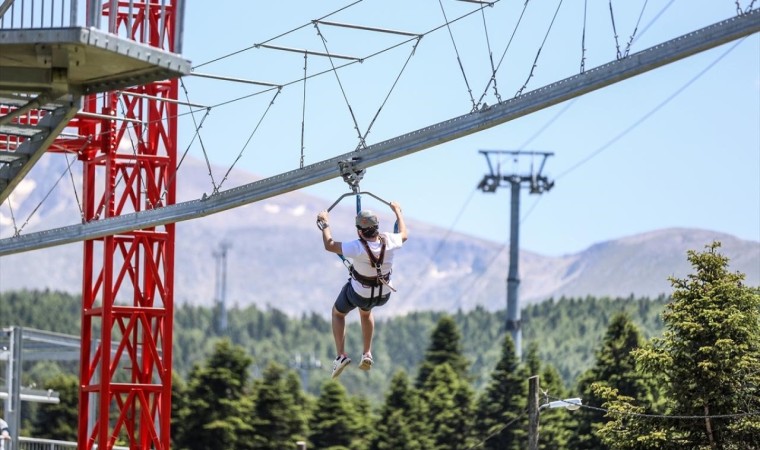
(322, 220)
(5, 435)
(396, 207)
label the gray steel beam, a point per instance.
(552, 94)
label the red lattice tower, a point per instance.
(129, 165)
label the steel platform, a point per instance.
(80, 60)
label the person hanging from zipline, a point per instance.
(369, 284)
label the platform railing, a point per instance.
(31, 14)
(44, 14)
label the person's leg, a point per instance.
(339, 330)
(368, 328)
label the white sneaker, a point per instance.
(340, 363)
(366, 362)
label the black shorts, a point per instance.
(348, 299)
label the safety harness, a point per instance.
(377, 281)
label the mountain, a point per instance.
(275, 256)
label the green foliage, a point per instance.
(448, 400)
(708, 360)
(615, 368)
(445, 348)
(59, 421)
(503, 402)
(278, 420)
(401, 425)
(216, 408)
(333, 423)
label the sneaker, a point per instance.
(340, 363)
(366, 362)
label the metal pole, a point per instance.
(13, 405)
(513, 278)
(533, 412)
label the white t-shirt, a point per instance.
(355, 251)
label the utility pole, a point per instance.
(533, 410)
(538, 184)
(220, 288)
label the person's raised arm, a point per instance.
(400, 221)
(324, 225)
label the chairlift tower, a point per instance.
(220, 289)
(537, 184)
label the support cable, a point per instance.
(459, 59)
(74, 185)
(635, 29)
(303, 108)
(504, 427)
(255, 129)
(137, 132)
(276, 37)
(36, 208)
(182, 159)
(395, 82)
(490, 55)
(614, 32)
(739, 11)
(13, 217)
(535, 61)
(504, 54)
(362, 144)
(583, 37)
(198, 134)
(656, 17)
(446, 236)
(649, 114)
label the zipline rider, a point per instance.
(369, 284)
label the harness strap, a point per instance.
(377, 281)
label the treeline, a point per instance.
(565, 331)
(696, 386)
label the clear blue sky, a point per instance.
(675, 147)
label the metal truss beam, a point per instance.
(652, 58)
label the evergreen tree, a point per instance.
(709, 358)
(615, 367)
(333, 425)
(278, 421)
(59, 421)
(503, 402)
(217, 411)
(557, 425)
(401, 425)
(445, 348)
(449, 407)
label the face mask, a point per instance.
(369, 232)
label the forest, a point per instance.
(450, 380)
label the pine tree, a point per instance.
(401, 425)
(503, 402)
(59, 421)
(449, 407)
(615, 367)
(217, 411)
(445, 348)
(277, 419)
(709, 358)
(333, 424)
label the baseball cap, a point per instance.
(366, 219)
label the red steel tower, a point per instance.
(129, 165)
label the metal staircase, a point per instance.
(48, 62)
(28, 126)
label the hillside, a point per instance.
(276, 257)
